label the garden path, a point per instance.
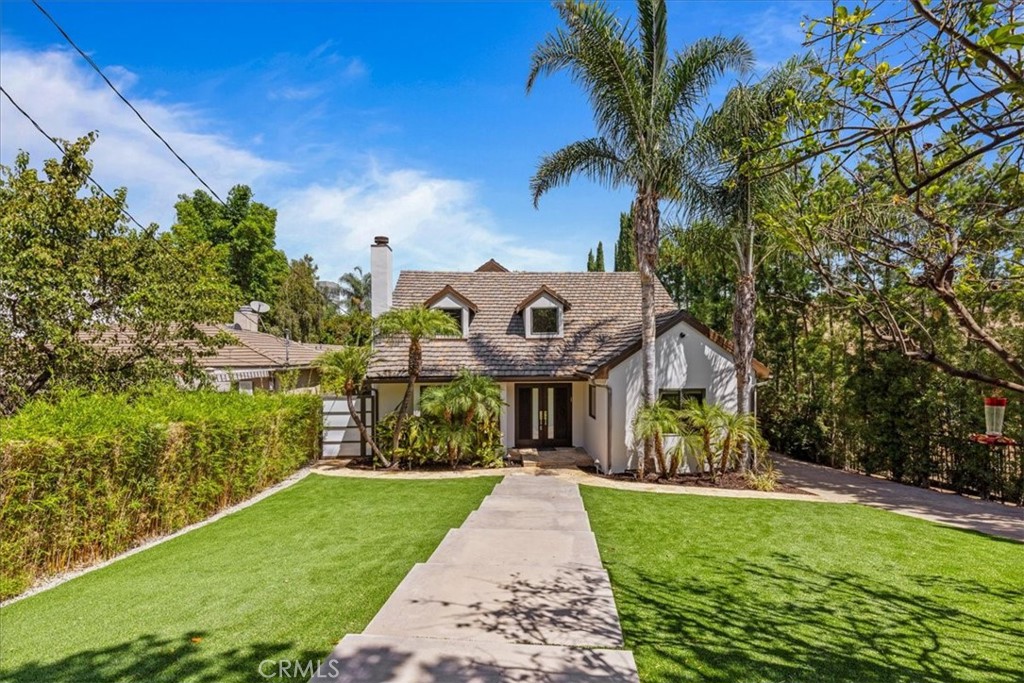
(517, 593)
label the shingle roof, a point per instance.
(602, 322)
(260, 350)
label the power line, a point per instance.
(150, 232)
(64, 151)
(124, 99)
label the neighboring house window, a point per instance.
(544, 321)
(592, 400)
(245, 386)
(677, 398)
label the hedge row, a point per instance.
(89, 476)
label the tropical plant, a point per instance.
(356, 289)
(416, 324)
(652, 422)
(468, 410)
(721, 436)
(643, 102)
(344, 372)
(729, 186)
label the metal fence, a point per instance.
(990, 472)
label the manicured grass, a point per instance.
(284, 579)
(754, 591)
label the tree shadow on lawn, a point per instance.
(789, 622)
(154, 659)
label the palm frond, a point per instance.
(695, 69)
(593, 158)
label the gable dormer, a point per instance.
(459, 307)
(543, 313)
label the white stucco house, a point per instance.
(565, 348)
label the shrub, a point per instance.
(85, 477)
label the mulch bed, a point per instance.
(731, 480)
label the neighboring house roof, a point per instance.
(492, 266)
(260, 350)
(602, 322)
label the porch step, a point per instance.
(394, 659)
(517, 547)
(539, 604)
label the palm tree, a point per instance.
(723, 434)
(465, 405)
(417, 323)
(705, 420)
(643, 102)
(652, 422)
(344, 372)
(727, 187)
(355, 289)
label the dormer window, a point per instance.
(544, 321)
(543, 313)
(460, 308)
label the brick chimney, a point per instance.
(247, 319)
(380, 276)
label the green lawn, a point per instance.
(754, 591)
(284, 579)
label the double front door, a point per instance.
(543, 415)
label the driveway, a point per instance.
(841, 486)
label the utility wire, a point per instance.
(63, 151)
(146, 231)
(124, 99)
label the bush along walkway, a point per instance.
(517, 593)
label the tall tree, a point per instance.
(414, 324)
(599, 258)
(299, 307)
(643, 101)
(87, 301)
(356, 290)
(590, 261)
(924, 116)
(245, 228)
(731, 188)
(625, 245)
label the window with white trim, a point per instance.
(544, 321)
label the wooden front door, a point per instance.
(543, 415)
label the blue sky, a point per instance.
(351, 119)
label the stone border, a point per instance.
(575, 476)
(57, 579)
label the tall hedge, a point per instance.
(88, 476)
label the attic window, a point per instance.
(543, 313)
(456, 314)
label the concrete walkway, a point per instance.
(839, 486)
(517, 593)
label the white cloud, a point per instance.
(433, 223)
(69, 100)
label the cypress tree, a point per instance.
(590, 261)
(599, 259)
(625, 246)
